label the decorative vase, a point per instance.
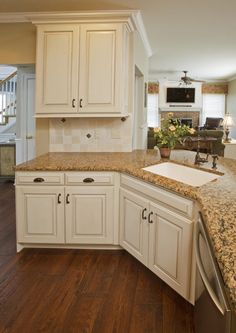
(165, 152)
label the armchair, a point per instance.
(213, 124)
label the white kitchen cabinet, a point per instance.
(170, 242)
(133, 224)
(66, 208)
(81, 69)
(40, 214)
(89, 215)
(162, 220)
(57, 68)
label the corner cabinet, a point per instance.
(156, 227)
(81, 69)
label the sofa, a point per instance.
(217, 146)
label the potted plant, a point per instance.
(170, 133)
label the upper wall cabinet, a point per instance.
(57, 68)
(82, 70)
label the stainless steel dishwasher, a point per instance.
(212, 311)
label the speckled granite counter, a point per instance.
(217, 199)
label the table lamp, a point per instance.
(228, 122)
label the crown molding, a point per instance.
(137, 17)
(66, 16)
(132, 17)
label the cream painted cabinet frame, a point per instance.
(81, 70)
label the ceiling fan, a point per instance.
(188, 80)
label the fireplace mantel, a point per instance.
(180, 108)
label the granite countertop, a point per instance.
(217, 199)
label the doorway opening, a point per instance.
(17, 123)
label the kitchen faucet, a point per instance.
(198, 158)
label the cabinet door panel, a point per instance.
(89, 215)
(91, 209)
(170, 238)
(40, 215)
(101, 65)
(133, 229)
(167, 246)
(57, 69)
(100, 68)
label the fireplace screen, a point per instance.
(187, 121)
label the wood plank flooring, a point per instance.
(81, 291)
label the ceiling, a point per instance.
(198, 36)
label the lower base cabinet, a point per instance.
(158, 237)
(75, 208)
(57, 214)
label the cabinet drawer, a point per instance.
(180, 204)
(40, 178)
(89, 178)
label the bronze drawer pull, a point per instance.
(149, 217)
(73, 103)
(88, 180)
(143, 216)
(58, 198)
(67, 199)
(38, 180)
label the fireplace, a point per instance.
(190, 118)
(186, 121)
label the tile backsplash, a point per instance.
(90, 135)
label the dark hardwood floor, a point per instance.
(81, 291)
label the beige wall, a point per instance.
(231, 105)
(18, 43)
(59, 5)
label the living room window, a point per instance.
(152, 104)
(213, 106)
(152, 110)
